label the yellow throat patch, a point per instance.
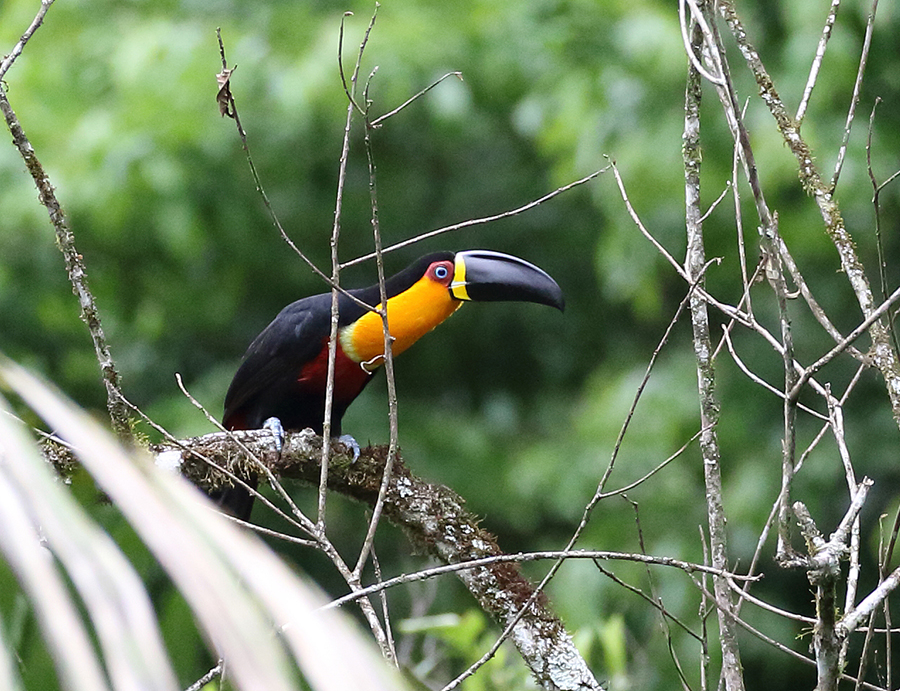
(411, 315)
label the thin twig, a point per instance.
(380, 119)
(524, 557)
(232, 112)
(654, 602)
(884, 563)
(214, 673)
(712, 207)
(480, 221)
(703, 613)
(657, 599)
(836, 414)
(762, 604)
(302, 522)
(348, 90)
(864, 654)
(388, 361)
(759, 380)
(854, 99)
(640, 225)
(690, 47)
(866, 324)
(876, 204)
(385, 610)
(8, 60)
(817, 61)
(853, 618)
(335, 278)
(811, 302)
(739, 223)
(651, 473)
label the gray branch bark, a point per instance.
(433, 517)
(695, 266)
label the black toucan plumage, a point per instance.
(283, 373)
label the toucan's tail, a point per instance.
(237, 500)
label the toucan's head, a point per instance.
(433, 287)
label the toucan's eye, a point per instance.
(441, 272)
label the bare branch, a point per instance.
(523, 557)
(817, 61)
(380, 119)
(480, 221)
(884, 356)
(9, 59)
(854, 99)
(654, 602)
(437, 522)
(75, 267)
(388, 361)
(695, 264)
(824, 572)
(783, 648)
(213, 673)
(873, 317)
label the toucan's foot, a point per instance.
(273, 424)
(352, 444)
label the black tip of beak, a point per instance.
(494, 276)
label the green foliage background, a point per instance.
(516, 407)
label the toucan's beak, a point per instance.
(486, 276)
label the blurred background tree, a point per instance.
(516, 409)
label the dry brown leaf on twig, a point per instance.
(223, 95)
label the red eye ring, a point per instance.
(442, 272)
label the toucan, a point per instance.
(282, 377)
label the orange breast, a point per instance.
(411, 315)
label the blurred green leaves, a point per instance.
(95, 616)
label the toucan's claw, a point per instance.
(273, 424)
(351, 444)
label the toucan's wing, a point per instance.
(278, 354)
